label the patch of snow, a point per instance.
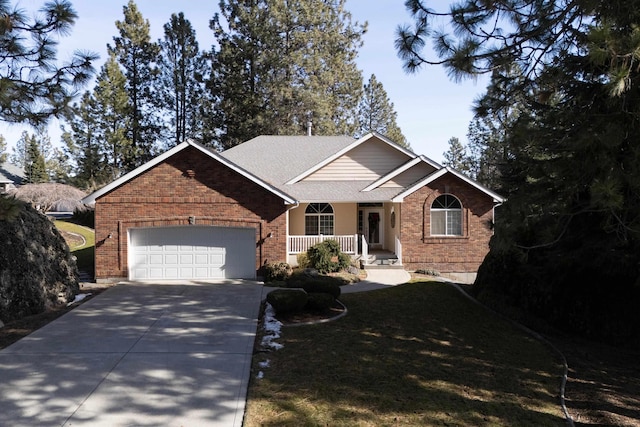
(272, 328)
(260, 375)
(78, 298)
(264, 363)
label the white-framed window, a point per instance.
(318, 219)
(446, 216)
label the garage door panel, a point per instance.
(192, 253)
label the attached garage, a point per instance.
(192, 252)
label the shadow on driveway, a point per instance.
(137, 354)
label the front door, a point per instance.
(373, 227)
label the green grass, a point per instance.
(84, 253)
(418, 354)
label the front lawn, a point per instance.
(81, 241)
(415, 354)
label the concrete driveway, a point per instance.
(137, 355)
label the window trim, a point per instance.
(320, 210)
(446, 210)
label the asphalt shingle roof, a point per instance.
(277, 159)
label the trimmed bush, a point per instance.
(277, 271)
(299, 278)
(322, 286)
(303, 260)
(319, 301)
(287, 301)
(326, 257)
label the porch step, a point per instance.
(383, 267)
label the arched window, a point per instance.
(446, 216)
(318, 219)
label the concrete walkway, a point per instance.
(378, 279)
(138, 354)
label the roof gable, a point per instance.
(441, 172)
(90, 199)
(351, 156)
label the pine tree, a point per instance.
(571, 223)
(376, 113)
(84, 144)
(97, 139)
(457, 157)
(282, 64)
(32, 86)
(137, 55)
(181, 82)
(113, 112)
(34, 167)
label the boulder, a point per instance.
(37, 271)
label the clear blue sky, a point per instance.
(431, 108)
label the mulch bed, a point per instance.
(304, 317)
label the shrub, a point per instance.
(319, 301)
(277, 271)
(303, 260)
(299, 278)
(84, 217)
(287, 301)
(326, 257)
(323, 286)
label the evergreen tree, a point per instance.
(137, 55)
(457, 157)
(181, 83)
(376, 113)
(32, 86)
(35, 170)
(281, 64)
(84, 144)
(113, 112)
(97, 138)
(19, 151)
(571, 223)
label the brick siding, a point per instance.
(188, 184)
(446, 254)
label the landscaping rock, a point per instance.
(37, 270)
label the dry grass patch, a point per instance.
(416, 354)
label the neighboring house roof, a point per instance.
(90, 199)
(11, 174)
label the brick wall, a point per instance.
(446, 254)
(188, 184)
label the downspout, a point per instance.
(493, 216)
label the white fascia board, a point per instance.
(91, 198)
(375, 184)
(496, 197)
(346, 150)
(400, 197)
(253, 178)
(410, 190)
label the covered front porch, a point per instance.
(369, 232)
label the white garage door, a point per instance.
(192, 252)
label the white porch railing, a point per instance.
(348, 244)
